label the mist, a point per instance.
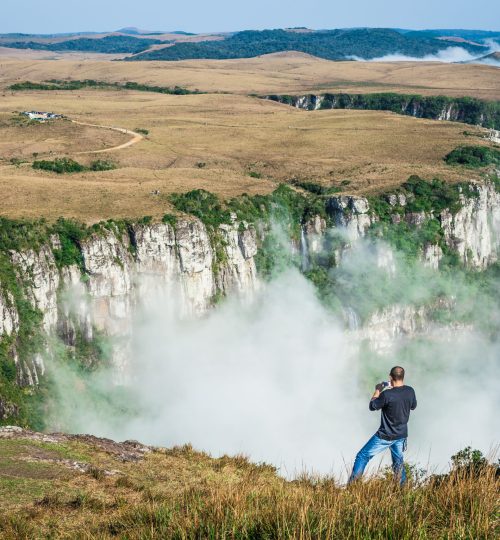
(448, 56)
(282, 379)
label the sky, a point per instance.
(53, 16)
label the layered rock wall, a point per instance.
(119, 271)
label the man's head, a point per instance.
(397, 375)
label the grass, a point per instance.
(182, 493)
(274, 74)
(361, 151)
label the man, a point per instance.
(395, 401)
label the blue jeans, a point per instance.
(373, 447)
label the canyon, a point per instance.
(193, 266)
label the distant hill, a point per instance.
(339, 44)
(366, 43)
(19, 35)
(107, 44)
(133, 31)
(470, 35)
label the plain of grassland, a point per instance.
(227, 144)
(280, 73)
(223, 141)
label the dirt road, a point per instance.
(136, 137)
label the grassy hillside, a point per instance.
(222, 143)
(57, 486)
(283, 73)
(330, 44)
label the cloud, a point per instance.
(448, 55)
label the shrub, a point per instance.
(469, 460)
(59, 166)
(434, 195)
(170, 219)
(316, 189)
(102, 165)
(473, 156)
(67, 165)
(146, 220)
(142, 131)
(202, 204)
(56, 84)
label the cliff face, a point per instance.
(118, 271)
(473, 231)
(189, 267)
(466, 110)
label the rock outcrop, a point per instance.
(39, 272)
(350, 214)
(388, 327)
(9, 318)
(474, 230)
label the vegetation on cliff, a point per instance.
(460, 109)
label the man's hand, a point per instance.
(378, 389)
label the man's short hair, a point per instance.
(397, 373)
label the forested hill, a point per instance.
(330, 44)
(107, 44)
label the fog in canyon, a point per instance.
(283, 379)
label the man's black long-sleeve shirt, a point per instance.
(396, 404)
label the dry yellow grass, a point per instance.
(180, 493)
(215, 141)
(212, 142)
(22, 139)
(276, 73)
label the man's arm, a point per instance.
(414, 402)
(378, 399)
